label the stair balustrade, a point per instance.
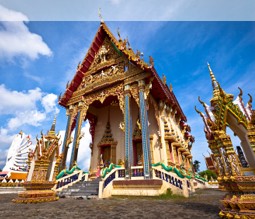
(137, 171)
(69, 180)
(169, 177)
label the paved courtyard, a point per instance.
(203, 204)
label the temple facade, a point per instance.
(135, 119)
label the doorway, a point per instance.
(106, 155)
(138, 153)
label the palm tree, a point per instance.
(196, 165)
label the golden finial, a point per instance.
(214, 82)
(118, 32)
(151, 60)
(171, 87)
(240, 93)
(129, 47)
(53, 126)
(100, 15)
(67, 84)
(250, 100)
(164, 79)
(59, 96)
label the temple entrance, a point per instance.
(106, 155)
(138, 153)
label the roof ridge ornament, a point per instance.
(118, 32)
(100, 15)
(250, 100)
(240, 93)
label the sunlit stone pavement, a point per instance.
(203, 204)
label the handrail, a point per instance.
(70, 179)
(108, 169)
(169, 177)
(65, 171)
(179, 173)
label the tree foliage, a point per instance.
(210, 174)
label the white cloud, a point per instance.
(115, 2)
(84, 152)
(4, 137)
(37, 79)
(21, 108)
(13, 101)
(49, 103)
(33, 118)
(10, 15)
(16, 39)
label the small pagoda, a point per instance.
(136, 122)
(43, 168)
(236, 172)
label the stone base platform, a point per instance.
(150, 187)
(36, 196)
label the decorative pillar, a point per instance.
(65, 145)
(145, 135)
(128, 133)
(77, 136)
(151, 149)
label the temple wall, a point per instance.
(116, 117)
(163, 150)
(157, 143)
(153, 130)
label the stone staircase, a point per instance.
(81, 190)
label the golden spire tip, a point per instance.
(100, 15)
(214, 82)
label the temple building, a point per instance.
(135, 118)
(210, 163)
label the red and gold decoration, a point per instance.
(237, 180)
(43, 169)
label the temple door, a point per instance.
(106, 155)
(138, 153)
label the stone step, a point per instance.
(86, 197)
(84, 193)
(82, 187)
(81, 190)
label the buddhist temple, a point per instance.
(136, 122)
(236, 170)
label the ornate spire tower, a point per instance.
(223, 113)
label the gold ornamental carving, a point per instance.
(135, 93)
(101, 95)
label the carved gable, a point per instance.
(108, 65)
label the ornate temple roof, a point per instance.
(159, 91)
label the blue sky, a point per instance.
(37, 58)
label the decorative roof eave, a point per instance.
(102, 32)
(169, 95)
(84, 66)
